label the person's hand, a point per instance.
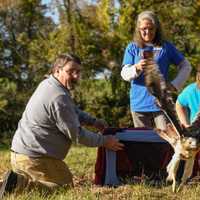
(113, 144)
(186, 125)
(142, 63)
(100, 124)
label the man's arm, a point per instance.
(65, 117)
(63, 110)
(91, 139)
(88, 120)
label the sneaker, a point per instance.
(9, 183)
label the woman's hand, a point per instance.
(142, 63)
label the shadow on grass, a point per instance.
(4, 146)
(5, 140)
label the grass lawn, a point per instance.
(81, 161)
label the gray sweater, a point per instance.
(51, 122)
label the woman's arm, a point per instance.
(182, 114)
(183, 74)
(130, 72)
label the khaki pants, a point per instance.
(149, 119)
(43, 172)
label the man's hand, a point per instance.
(100, 124)
(113, 144)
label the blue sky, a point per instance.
(52, 14)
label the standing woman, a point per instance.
(148, 34)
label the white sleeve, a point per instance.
(129, 72)
(183, 74)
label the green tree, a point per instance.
(22, 28)
(98, 33)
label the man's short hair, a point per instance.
(62, 60)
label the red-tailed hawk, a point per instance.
(185, 141)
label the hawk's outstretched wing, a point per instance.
(158, 87)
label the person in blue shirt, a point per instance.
(188, 102)
(148, 35)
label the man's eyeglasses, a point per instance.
(73, 71)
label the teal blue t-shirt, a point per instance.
(190, 99)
